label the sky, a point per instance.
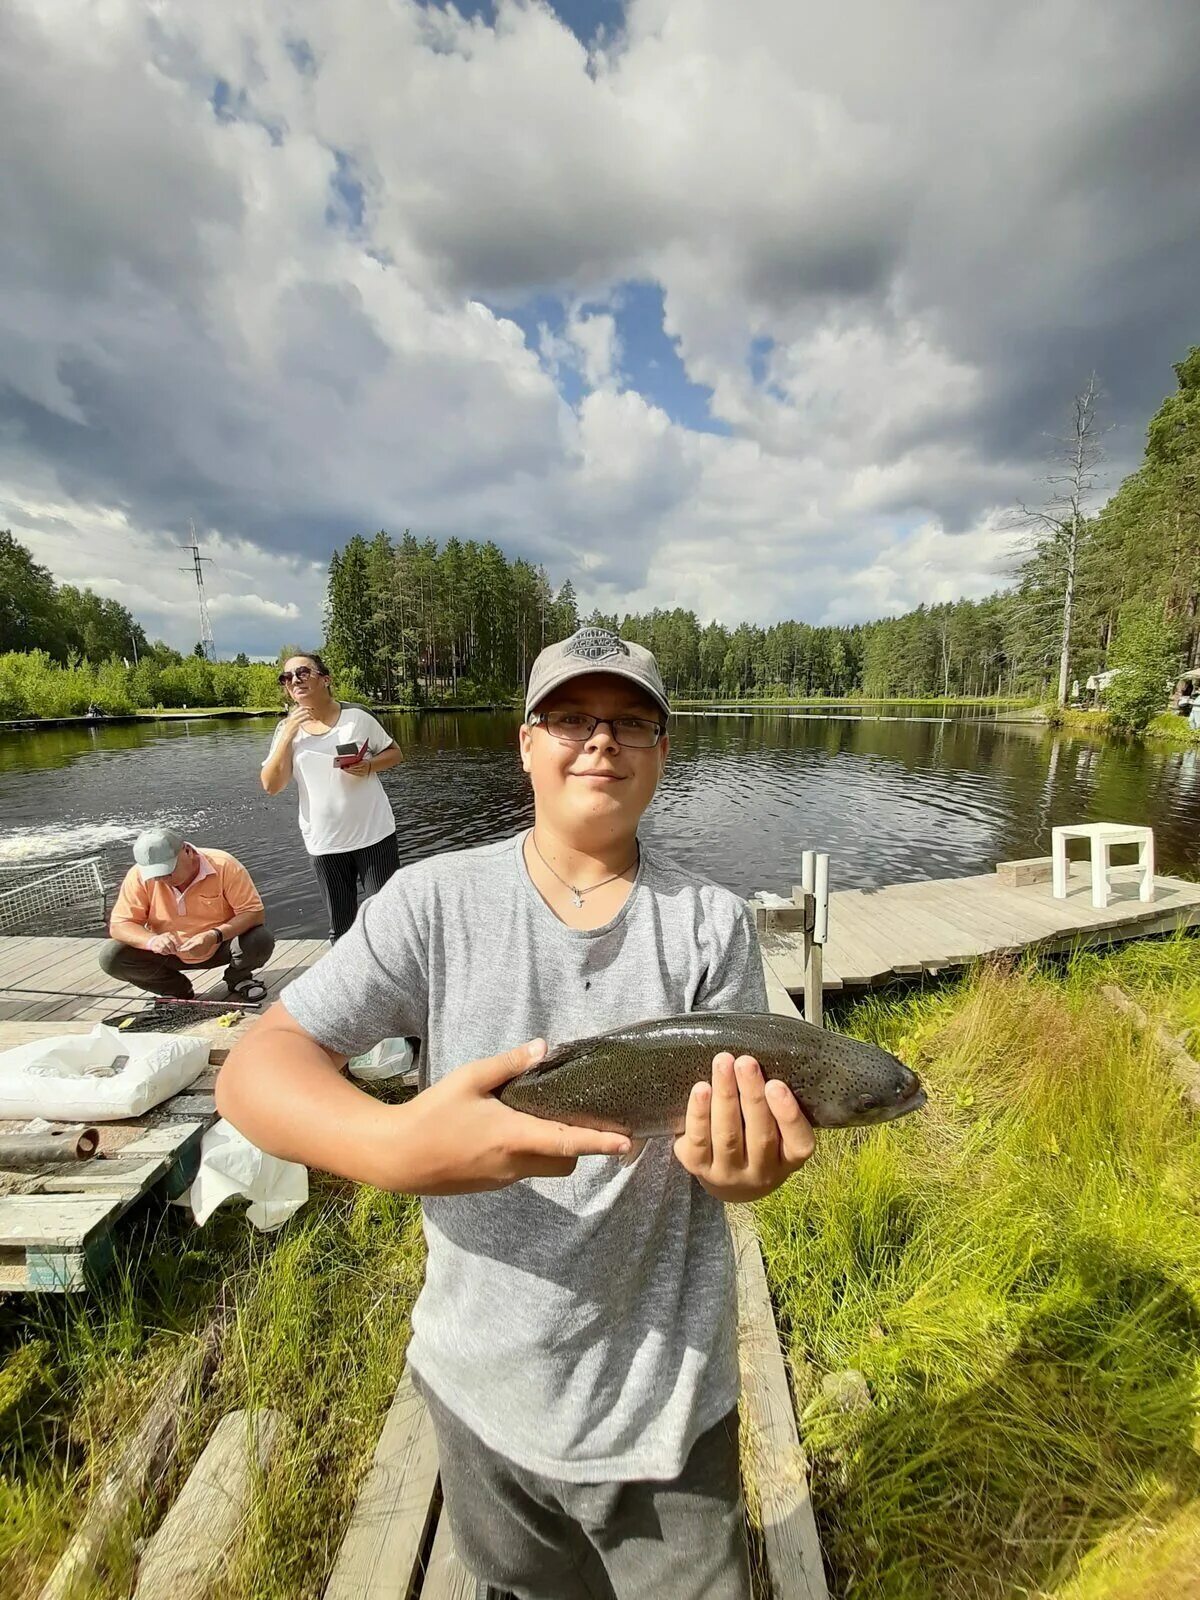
(768, 310)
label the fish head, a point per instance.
(881, 1090)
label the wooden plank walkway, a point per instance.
(907, 929)
(60, 1232)
(398, 1545)
(70, 969)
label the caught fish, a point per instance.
(637, 1080)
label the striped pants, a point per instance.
(339, 876)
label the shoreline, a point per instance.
(216, 713)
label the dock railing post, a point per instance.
(814, 872)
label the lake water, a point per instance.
(890, 797)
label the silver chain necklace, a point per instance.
(578, 894)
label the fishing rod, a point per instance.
(157, 999)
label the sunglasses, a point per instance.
(301, 675)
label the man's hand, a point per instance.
(201, 944)
(163, 944)
(743, 1137)
(459, 1139)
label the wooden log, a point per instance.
(21, 1151)
(190, 1552)
(137, 1468)
(771, 1448)
(380, 1557)
(1184, 1067)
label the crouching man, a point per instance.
(181, 907)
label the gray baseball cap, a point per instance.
(156, 850)
(594, 650)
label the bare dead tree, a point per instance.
(1059, 526)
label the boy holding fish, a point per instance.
(575, 1339)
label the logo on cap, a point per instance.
(595, 644)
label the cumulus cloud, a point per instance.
(299, 272)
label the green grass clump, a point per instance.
(315, 1320)
(1016, 1271)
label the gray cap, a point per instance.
(594, 650)
(156, 850)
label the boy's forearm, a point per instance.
(286, 1094)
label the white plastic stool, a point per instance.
(1101, 837)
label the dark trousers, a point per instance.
(241, 956)
(340, 875)
(538, 1538)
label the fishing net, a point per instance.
(65, 899)
(177, 1017)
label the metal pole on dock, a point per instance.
(814, 895)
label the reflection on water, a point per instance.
(743, 795)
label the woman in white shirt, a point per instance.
(346, 819)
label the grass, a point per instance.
(1017, 1274)
(318, 1325)
(1169, 727)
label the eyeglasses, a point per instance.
(576, 727)
(301, 675)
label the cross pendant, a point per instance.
(577, 897)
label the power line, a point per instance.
(207, 643)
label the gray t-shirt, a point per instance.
(584, 1327)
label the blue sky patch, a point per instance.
(302, 57)
(648, 361)
(585, 18)
(346, 204)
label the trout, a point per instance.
(636, 1080)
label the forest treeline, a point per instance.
(409, 621)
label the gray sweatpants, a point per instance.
(544, 1539)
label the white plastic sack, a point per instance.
(230, 1165)
(390, 1058)
(100, 1076)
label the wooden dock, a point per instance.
(52, 1236)
(59, 1230)
(909, 929)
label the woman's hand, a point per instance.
(298, 716)
(743, 1137)
(359, 769)
(458, 1138)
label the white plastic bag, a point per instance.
(100, 1076)
(230, 1165)
(390, 1058)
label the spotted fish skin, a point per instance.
(637, 1080)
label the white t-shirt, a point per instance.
(339, 812)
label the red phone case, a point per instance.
(351, 761)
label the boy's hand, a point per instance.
(743, 1137)
(460, 1139)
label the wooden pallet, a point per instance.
(62, 1234)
